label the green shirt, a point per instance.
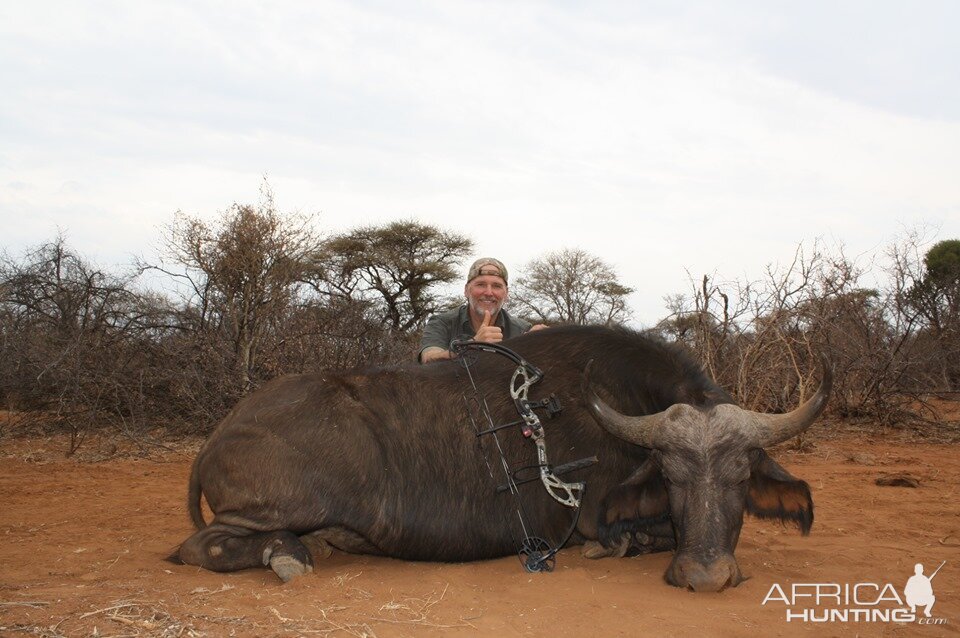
(455, 324)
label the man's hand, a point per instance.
(538, 326)
(488, 333)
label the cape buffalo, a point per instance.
(385, 462)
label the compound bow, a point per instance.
(535, 553)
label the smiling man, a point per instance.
(482, 318)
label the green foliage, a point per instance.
(936, 299)
(943, 263)
(936, 295)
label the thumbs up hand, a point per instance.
(488, 333)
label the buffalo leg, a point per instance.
(658, 537)
(594, 549)
(227, 548)
(653, 538)
(323, 541)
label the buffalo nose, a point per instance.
(714, 576)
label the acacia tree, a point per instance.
(397, 267)
(571, 286)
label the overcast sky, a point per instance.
(665, 137)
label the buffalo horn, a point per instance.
(777, 428)
(639, 430)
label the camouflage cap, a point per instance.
(487, 266)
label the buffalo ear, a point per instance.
(638, 503)
(774, 493)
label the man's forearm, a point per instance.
(435, 353)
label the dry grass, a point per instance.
(141, 619)
(326, 624)
(417, 611)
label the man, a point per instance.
(482, 318)
(919, 590)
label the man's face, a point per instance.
(486, 292)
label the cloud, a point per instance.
(662, 139)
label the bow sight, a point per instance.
(535, 553)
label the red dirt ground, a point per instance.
(83, 541)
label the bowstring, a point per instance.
(485, 410)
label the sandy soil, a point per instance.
(83, 541)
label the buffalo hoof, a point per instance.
(317, 546)
(594, 549)
(287, 556)
(287, 567)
